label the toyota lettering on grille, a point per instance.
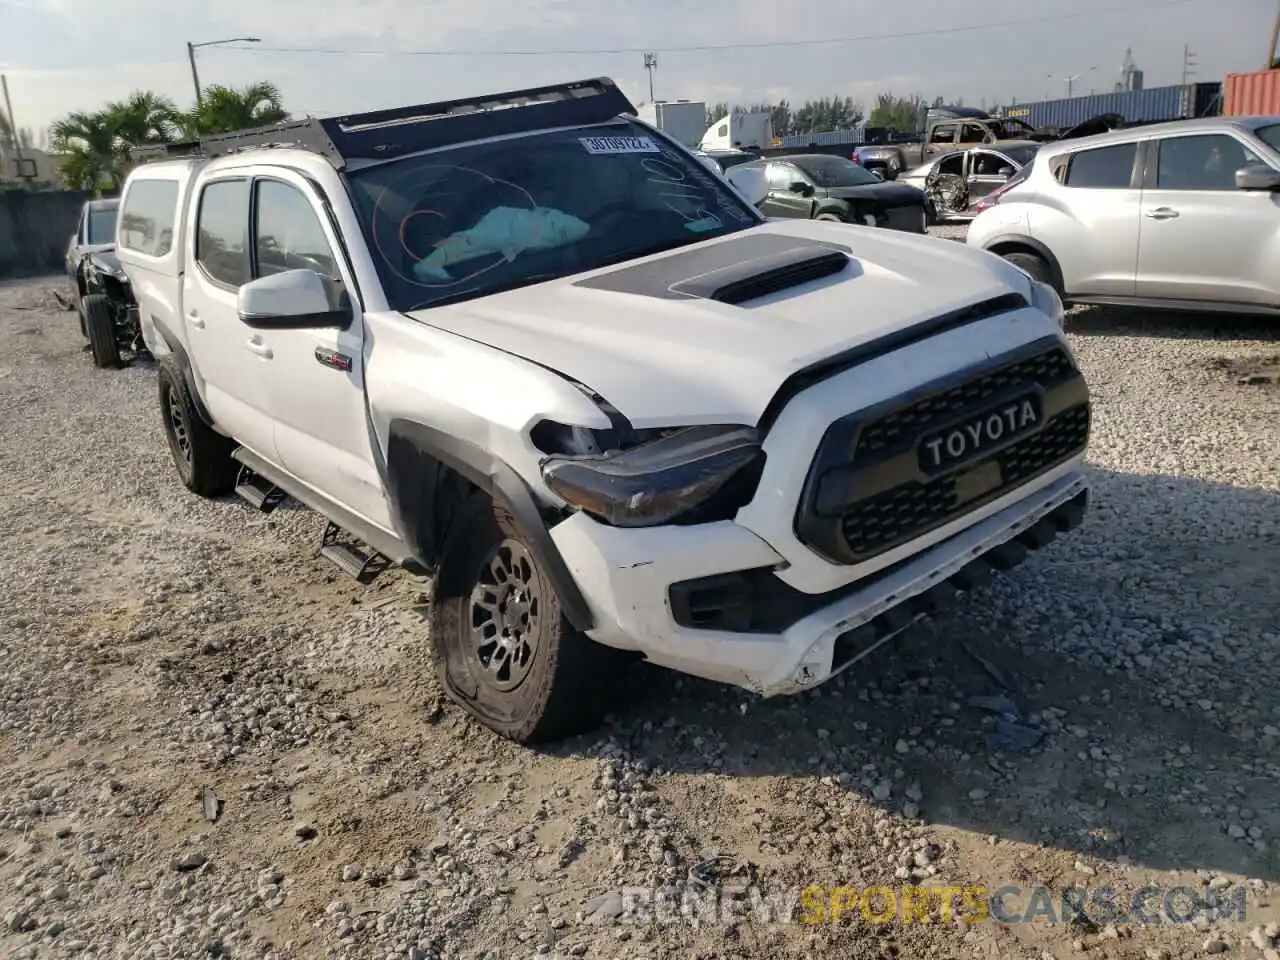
(980, 434)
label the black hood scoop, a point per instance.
(734, 272)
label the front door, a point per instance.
(987, 171)
(234, 361)
(783, 200)
(942, 139)
(1201, 238)
(316, 393)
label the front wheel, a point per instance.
(1032, 264)
(201, 454)
(503, 650)
(100, 327)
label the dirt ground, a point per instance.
(212, 743)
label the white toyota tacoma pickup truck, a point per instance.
(533, 347)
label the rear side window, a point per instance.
(222, 232)
(1109, 168)
(147, 217)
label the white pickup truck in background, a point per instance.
(545, 354)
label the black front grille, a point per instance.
(900, 429)
(880, 523)
(867, 490)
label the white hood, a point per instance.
(663, 359)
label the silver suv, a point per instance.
(1183, 216)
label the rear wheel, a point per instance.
(100, 327)
(201, 454)
(503, 650)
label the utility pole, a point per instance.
(191, 56)
(1188, 63)
(1275, 39)
(13, 126)
(651, 65)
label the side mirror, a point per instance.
(291, 300)
(750, 182)
(1257, 176)
(801, 188)
(1005, 172)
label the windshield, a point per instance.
(836, 172)
(1020, 155)
(1270, 135)
(102, 226)
(463, 222)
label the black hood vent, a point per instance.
(743, 268)
(743, 282)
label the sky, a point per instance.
(61, 56)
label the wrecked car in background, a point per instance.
(100, 292)
(957, 185)
(951, 129)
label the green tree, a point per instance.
(89, 148)
(225, 110)
(827, 113)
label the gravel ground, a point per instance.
(212, 744)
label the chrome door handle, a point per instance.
(259, 348)
(1162, 213)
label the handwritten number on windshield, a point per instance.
(678, 195)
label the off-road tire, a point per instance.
(1033, 264)
(201, 455)
(101, 331)
(569, 679)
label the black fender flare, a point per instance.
(415, 454)
(184, 362)
(1020, 240)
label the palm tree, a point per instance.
(225, 110)
(145, 117)
(88, 144)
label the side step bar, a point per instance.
(258, 491)
(367, 549)
(349, 558)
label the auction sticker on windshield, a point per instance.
(619, 145)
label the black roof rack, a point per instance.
(165, 151)
(384, 134)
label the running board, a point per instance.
(390, 548)
(257, 491)
(348, 557)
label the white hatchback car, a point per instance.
(1181, 216)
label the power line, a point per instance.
(709, 47)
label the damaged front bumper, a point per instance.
(636, 583)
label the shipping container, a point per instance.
(1177, 102)
(1252, 94)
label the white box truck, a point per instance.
(739, 131)
(682, 120)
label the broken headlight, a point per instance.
(688, 475)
